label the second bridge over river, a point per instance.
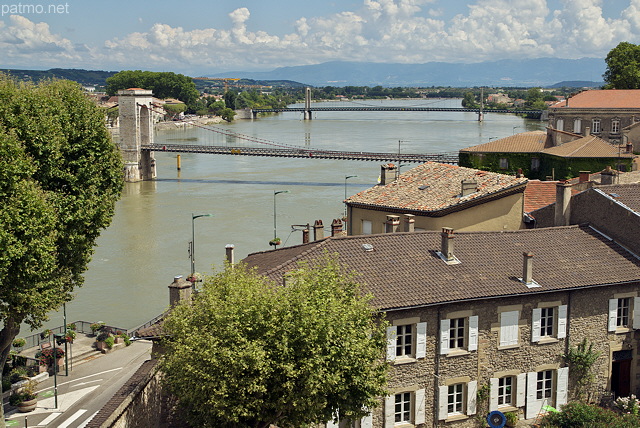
(450, 158)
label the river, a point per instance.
(147, 242)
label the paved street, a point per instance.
(90, 384)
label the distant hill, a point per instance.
(519, 73)
(577, 84)
(84, 77)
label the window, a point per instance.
(577, 126)
(615, 126)
(507, 391)
(504, 163)
(406, 407)
(547, 387)
(535, 164)
(406, 341)
(549, 322)
(454, 399)
(624, 313)
(560, 124)
(366, 227)
(459, 334)
(509, 328)
(595, 126)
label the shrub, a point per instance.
(628, 405)
(19, 342)
(96, 326)
(109, 341)
(47, 356)
(27, 392)
(18, 374)
(71, 326)
(103, 336)
(6, 384)
(578, 415)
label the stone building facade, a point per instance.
(483, 324)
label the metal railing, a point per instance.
(134, 331)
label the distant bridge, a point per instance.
(293, 152)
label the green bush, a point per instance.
(6, 384)
(109, 341)
(103, 336)
(580, 415)
(18, 374)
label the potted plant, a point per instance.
(26, 398)
(70, 335)
(47, 356)
(46, 333)
(512, 419)
(96, 326)
(275, 242)
(19, 342)
(101, 340)
(109, 342)
(71, 326)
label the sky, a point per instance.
(204, 37)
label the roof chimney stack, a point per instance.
(318, 230)
(387, 173)
(607, 176)
(584, 176)
(179, 290)
(336, 227)
(587, 131)
(305, 235)
(229, 250)
(392, 225)
(527, 268)
(468, 187)
(447, 244)
(563, 204)
(409, 223)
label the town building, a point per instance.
(489, 312)
(435, 195)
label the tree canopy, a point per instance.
(249, 353)
(623, 67)
(60, 176)
(163, 84)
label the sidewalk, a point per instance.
(82, 347)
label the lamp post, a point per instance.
(274, 211)
(192, 253)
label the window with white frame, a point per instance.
(459, 334)
(457, 399)
(406, 407)
(507, 390)
(509, 330)
(549, 322)
(595, 126)
(624, 313)
(577, 126)
(547, 387)
(405, 341)
(615, 126)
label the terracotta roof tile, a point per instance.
(539, 194)
(603, 98)
(404, 271)
(434, 187)
(525, 142)
(590, 146)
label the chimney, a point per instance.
(336, 227)
(229, 250)
(318, 230)
(584, 176)
(607, 176)
(527, 268)
(387, 173)
(468, 187)
(629, 148)
(409, 223)
(179, 290)
(447, 243)
(392, 225)
(563, 207)
(305, 235)
(587, 131)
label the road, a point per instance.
(90, 384)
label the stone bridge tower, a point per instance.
(136, 130)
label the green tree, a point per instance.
(163, 84)
(250, 353)
(175, 109)
(623, 67)
(60, 176)
(227, 114)
(469, 100)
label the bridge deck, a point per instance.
(450, 158)
(368, 108)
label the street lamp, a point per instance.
(192, 253)
(274, 210)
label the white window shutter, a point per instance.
(521, 388)
(562, 321)
(509, 328)
(613, 314)
(389, 411)
(533, 404)
(493, 394)
(444, 336)
(367, 421)
(419, 412)
(473, 333)
(392, 334)
(442, 402)
(535, 325)
(421, 340)
(636, 313)
(472, 392)
(563, 385)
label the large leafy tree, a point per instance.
(250, 353)
(623, 67)
(60, 176)
(163, 84)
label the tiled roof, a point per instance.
(603, 98)
(435, 187)
(403, 270)
(627, 194)
(525, 142)
(590, 146)
(539, 194)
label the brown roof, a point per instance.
(525, 142)
(402, 270)
(603, 98)
(590, 146)
(539, 194)
(435, 188)
(627, 194)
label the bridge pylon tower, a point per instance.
(136, 130)
(307, 104)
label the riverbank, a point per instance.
(161, 126)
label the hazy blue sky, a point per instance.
(202, 37)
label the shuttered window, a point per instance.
(509, 328)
